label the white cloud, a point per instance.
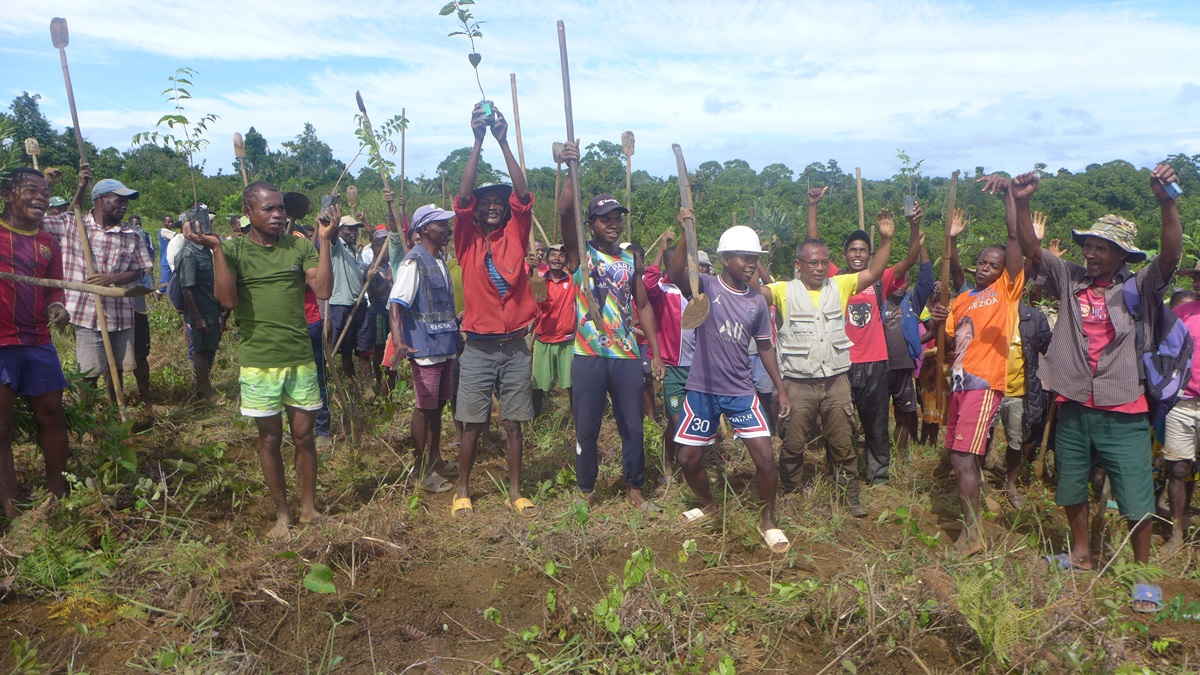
(954, 82)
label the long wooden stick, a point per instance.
(573, 172)
(940, 388)
(239, 151)
(696, 312)
(387, 184)
(861, 214)
(556, 151)
(95, 289)
(516, 109)
(627, 146)
(403, 129)
(61, 38)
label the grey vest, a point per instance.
(812, 341)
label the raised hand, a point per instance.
(958, 223)
(389, 196)
(1039, 225)
(815, 195)
(1025, 185)
(939, 312)
(1055, 248)
(499, 127)
(191, 230)
(668, 237)
(915, 219)
(478, 125)
(328, 222)
(886, 223)
(685, 214)
(993, 184)
(1162, 175)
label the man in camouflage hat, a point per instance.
(1092, 364)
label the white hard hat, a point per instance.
(739, 239)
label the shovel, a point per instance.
(573, 174)
(239, 151)
(33, 149)
(537, 283)
(60, 37)
(106, 291)
(696, 312)
(627, 149)
(556, 151)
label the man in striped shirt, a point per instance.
(29, 366)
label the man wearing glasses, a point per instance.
(814, 355)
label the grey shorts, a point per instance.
(488, 365)
(89, 350)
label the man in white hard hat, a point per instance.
(814, 352)
(722, 382)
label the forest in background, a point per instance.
(721, 190)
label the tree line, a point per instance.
(722, 191)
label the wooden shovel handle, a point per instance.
(573, 176)
(689, 224)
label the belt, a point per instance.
(497, 339)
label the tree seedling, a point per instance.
(470, 29)
(191, 139)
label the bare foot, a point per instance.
(968, 544)
(1171, 547)
(280, 531)
(310, 517)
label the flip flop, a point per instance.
(523, 507)
(435, 484)
(775, 540)
(450, 470)
(1063, 562)
(694, 516)
(462, 504)
(1146, 593)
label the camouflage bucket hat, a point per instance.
(1193, 273)
(1117, 230)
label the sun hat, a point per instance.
(114, 186)
(493, 187)
(349, 221)
(1117, 230)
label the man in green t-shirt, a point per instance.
(261, 277)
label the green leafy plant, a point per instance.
(319, 579)
(191, 134)
(909, 169)
(374, 142)
(470, 29)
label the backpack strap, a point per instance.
(1133, 302)
(879, 296)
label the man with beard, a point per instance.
(120, 259)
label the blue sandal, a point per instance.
(1146, 593)
(1063, 562)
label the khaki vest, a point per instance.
(812, 341)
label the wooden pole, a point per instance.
(627, 146)
(573, 170)
(556, 151)
(940, 389)
(697, 310)
(61, 38)
(862, 220)
(443, 189)
(512, 80)
(95, 289)
(403, 129)
(239, 151)
(387, 184)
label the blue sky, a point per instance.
(958, 84)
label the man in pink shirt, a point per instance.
(676, 345)
(1183, 429)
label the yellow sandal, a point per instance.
(524, 507)
(462, 504)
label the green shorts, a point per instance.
(1120, 441)
(674, 385)
(267, 391)
(551, 360)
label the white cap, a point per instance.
(702, 258)
(739, 239)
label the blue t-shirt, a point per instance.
(735, 320)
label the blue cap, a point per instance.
(114, 186)
(427, 214)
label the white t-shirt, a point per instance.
(173, 248)
(404, 292)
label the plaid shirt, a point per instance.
(115, 250)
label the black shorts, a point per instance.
(902, 390)
(360, 339)
(141, 336)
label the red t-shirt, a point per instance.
(23, 306)
(1099, 331)
(312, 310)
(1189, 314)
(486, 312)
(864, 320)
(556, 314)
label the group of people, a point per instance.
(810, 359)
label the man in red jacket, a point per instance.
(554, 346)
(491, 239)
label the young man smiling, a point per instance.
(980, 322)
(606, 352)
(554, 343)
(261, 277)
(722, 382)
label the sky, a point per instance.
(1003, 85)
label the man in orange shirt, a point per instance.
(554, 346)
(980, 322)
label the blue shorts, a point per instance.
(702, 415)
(31, 370)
